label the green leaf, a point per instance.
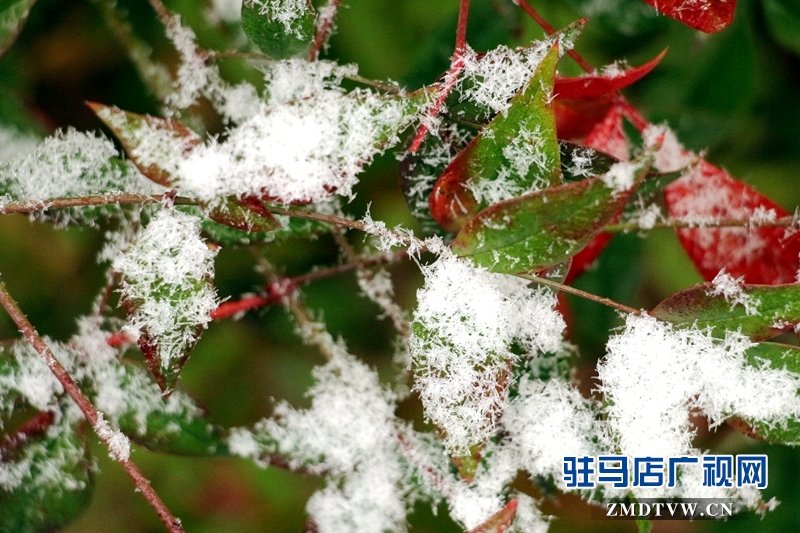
(154, 144)
(763, 310)
(515, 154)
(167, 291)
(175, 425)
(777, 356)
(277, 29)
(783, 21)
(245, 214)
(544, 228)
(13, 14)
(51, 480)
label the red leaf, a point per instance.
(594, 85)
(576, 117)
(709, 16)
(760, 255)
(500, 521)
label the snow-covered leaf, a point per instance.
(759, 255)
(13, 14)
(173, 425)
(489, 80)
(758, 311)
(709, 16)
(279, 28)
(167, 290)
(516, 153)
(781, 357)
(46, 478)
(609, 81)
(546, 227)
(154, 144)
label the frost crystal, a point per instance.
(550, 420)
(620, 176)
(671, 156)
(68, 164)
(465, 320)
(655, 373)
(166, 280)
(731, 289)
(491, 80)
(349, 433)
(309, 140)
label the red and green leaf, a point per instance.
(594, 85)
(152, 143)
(544, 228)
(483, 159)
(769, 310)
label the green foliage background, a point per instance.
(734, 93)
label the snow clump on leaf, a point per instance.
(166, 282)
(464, 324)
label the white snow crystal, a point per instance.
(655, 373)
(731, 289)
(165, 275)
(465, 320)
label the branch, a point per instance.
(583, 294)
(100, 426)
(527, 8)
(450, 79)
(85, 201)
(324, 27)
(677, 223)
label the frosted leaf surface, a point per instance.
(349, 433)
(287, 12)
(166, 278)
(671, 156)
(654, 374)
(465, 320)
(14, 143)
(491, 80)
(549, 420)
(298, 150)
(68, 164)
(731, 289)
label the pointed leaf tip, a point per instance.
(594, 85)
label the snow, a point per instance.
(308, 141)
(493, 79)
(166, 277)
(671, 155)
(67, 164)
(465, 320)
(655, 373)
(731, 289)
(118, 444)
(621, 176)
(289, 13)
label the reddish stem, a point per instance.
(456, 66)
(86, 407)
(324, 28)
(527, 8)
(31, 429)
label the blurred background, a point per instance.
(735, 94)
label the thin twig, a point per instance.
(85, 201)
(583, 294)
(92, 415)
(162, 11)
(324, 27)
(456, 66)
(527, 8)
(677, 223)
